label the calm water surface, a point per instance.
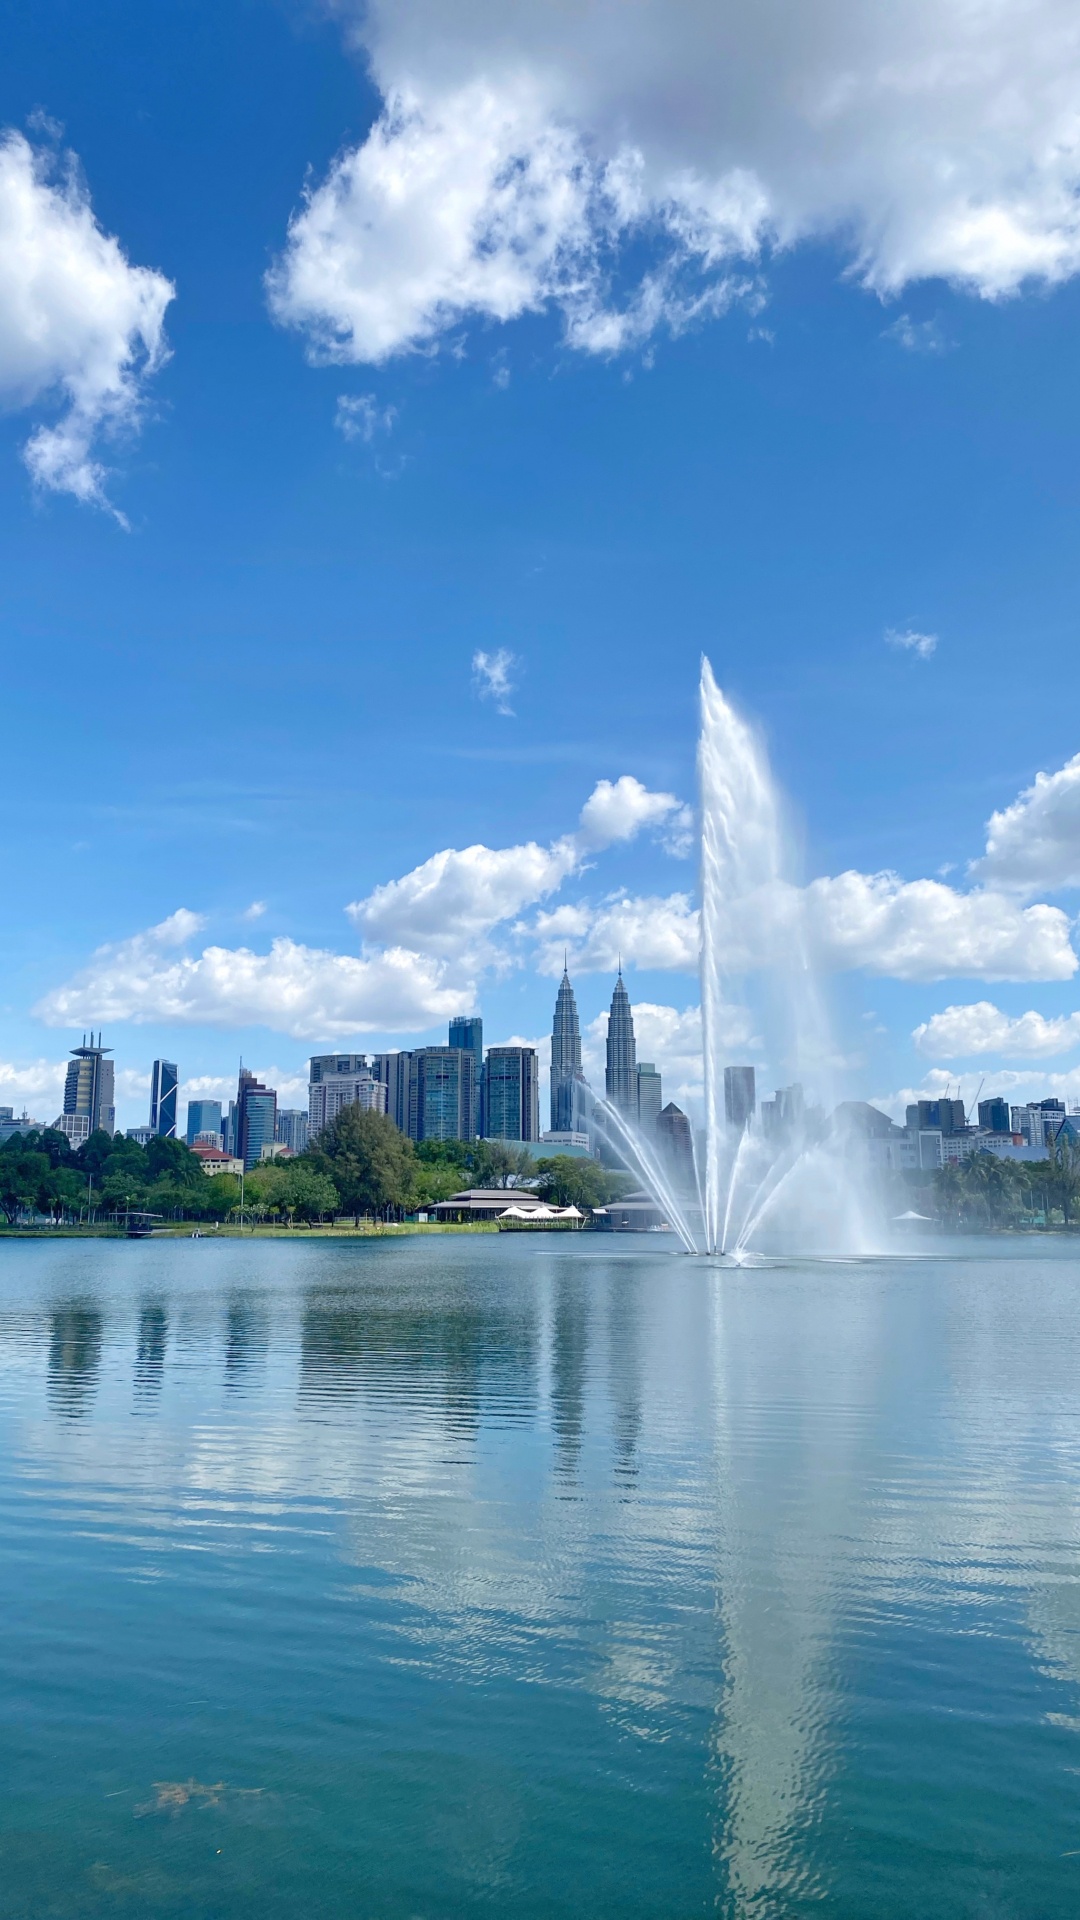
(442, 1577)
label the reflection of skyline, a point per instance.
(75, 1333)
(153, 1338)
(247, 1337)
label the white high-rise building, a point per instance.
(341, 1080)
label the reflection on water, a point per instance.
(530, 1577)
(75, 1331)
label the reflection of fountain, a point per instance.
(790, 1187)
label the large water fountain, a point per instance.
(791, 1185)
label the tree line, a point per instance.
(983, 1191)
(360, 1166)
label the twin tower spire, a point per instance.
(569, 1094)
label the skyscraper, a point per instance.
(256, 1118)
(620, 1078)
(740, 1096)
(442, 1094)
(467, 1033)
(163, 1084)
(393, 1071)
(511, 1094)
(650, 1097)
(292, 1128)
(676, 1144)
(337, 1080)
(203, 1116)
(88, 1091)
(565, 1060)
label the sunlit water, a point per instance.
(544, 1577)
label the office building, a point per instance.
(944, 1116)
(468, 1034)
(650, 1099)
(228, 1129)
(442, 1094)
(11, 1123)
(142, 1136)
(1038, 1122)
(676, 1144)
(512, 1094)
(740, 1096)
(256, 1118)
(88, 1092)
(784, 1113)
(292, 1128)
(208, 1139)
(164, 1080)
(994, 1116)
(393, 1069)
(620, 1076)
(203, 1116)
(565, 1061)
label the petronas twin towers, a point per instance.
(568, 1102)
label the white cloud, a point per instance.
(961, 1032)
(877, 923)
(303, 991)
(661, 933)
(255, 911)
(492, 677)
(619, 809)
(359, 417)
(521, 148)
(1035, 842)
(77, 320)
(451, 904)
(917, 336)
(922, 645)
(36, 1088)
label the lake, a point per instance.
(549, 1576)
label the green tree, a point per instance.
(64, 1192)
(371, 1164)
(494, 1164)
(174, 1160)
(23, 1175)
(567, 1182)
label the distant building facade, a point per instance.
(88, 1092)
(256, 1118)
(511, 1102)
(467, 1034)
(442, 1094)
(740, 1096)
(676, 1142)
(164, 1083)
(620, 1075)
(994, 1116)
(650, 1097)
(337, 1080)
(292, 1128)
(203, 1116)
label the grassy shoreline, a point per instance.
(183, 1230)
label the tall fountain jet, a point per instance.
(792, 1187)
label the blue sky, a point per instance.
(593, 347)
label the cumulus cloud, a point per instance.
(917, 336)
(303, 991)
(661, 933)
(961, 1032)
(922, 645)
(36, 1088)
(255, 911)
(78, 322)
(876, 923)
(619, 809)
(1035, 842)
(522, 150)
(451, 904)
(493, 677)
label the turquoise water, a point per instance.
(445, 1577)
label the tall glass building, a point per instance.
(740, 1096)
(511, 1094)
(442, 1094)
(203, 1116)
(164, 1080)
(565, 1061)
(467, 1033)
(620, 1078)
(256, 1119)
